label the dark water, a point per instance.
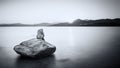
(77, 47)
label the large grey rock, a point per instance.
(36, 47)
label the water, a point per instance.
(86, 47)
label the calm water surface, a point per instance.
(86, 47)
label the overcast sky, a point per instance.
(51, 11)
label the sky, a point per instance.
(53, 11)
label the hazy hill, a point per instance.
(61, 24)
(77, 22)
(100, 22)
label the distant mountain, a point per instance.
(61, 24)
(19, 24)
(100, 22)
(77, 22)
(13, 24)
(42, 24)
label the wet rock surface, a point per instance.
(36, 47)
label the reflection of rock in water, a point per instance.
(48, 62)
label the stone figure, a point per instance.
(40, 34)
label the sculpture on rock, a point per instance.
(36, 47)
(40, 34)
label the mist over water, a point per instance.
(76, 47)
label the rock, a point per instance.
(36, 47)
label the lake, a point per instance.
(77, 47)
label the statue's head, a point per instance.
(40, 31)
